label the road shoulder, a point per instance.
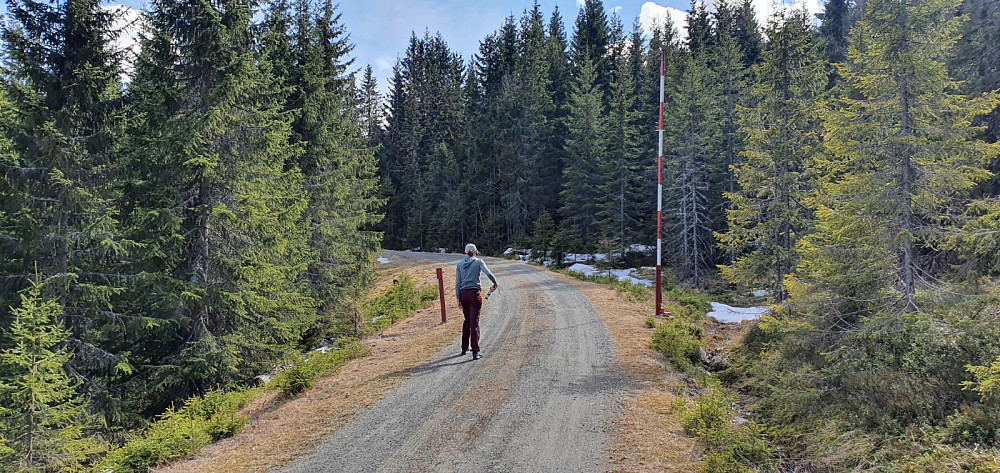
(283, 430)
(648, 435)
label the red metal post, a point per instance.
(659, 195)
(440, 275)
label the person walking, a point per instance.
(469, 294)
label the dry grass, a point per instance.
(283, 430)
(649, 436)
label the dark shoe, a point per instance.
(463, 352)
(476, 355)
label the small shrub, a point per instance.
(303, 374)
(296, 379)
(176, 433)
(731, 448)
(679, 342)
(650, 322)
(687, 304)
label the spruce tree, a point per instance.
(591, 40)
(622, 190)
(339, 169)
(782, 131)
(732, 78)
(233, 252)
(371, 109)
(699, 28)
(693, 138)
(42, 415)
(586, 149)
(66, 101)
(900, 156)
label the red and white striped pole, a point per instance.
(659, 195)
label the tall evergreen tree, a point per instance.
(339, 168)
(371, 109)
(699, 28)
(834, 29)
(622, 190)
(228, 216)
(586, 149)
(732, 78)
(782, 131)
(66, 103)
(901, 155)
(747, 32)
(591, 40)
(693, 139)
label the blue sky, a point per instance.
(380, 29)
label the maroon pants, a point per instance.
(472, 302)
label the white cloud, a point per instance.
(652, 13)
(383, 65)
(618, 8)
(128, 24)
(764, 8)
(581, 3)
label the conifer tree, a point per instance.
(371, 109)
(693, 139)
(591, 40)
(834, 29)
(586, 149)
(747, 31)
(622, 189)
(42, 416)
(338, 168)
(901, 154)
(66, 107)
(732, 78)
(235, 251)
(699, 28)
(768, 217)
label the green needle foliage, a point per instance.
(768, 215)
(901, 156)
(41, 415)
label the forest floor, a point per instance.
(568, 383)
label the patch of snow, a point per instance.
(759, 293)
(383, 260)
(637, 248)
(508, 251)
(586, 269)
(619, 274)
(442, 250)
(322, 349)
(726, 314)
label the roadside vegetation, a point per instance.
(219, 414)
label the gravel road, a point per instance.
(543, 397)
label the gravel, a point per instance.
(544, 396)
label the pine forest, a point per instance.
(179, 219)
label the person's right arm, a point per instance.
(457, 283)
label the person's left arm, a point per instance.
(489, 273)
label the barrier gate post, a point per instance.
(440, 276)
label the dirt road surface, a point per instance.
(544, 397)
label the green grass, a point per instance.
(402, 300)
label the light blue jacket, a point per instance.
(467, 274)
